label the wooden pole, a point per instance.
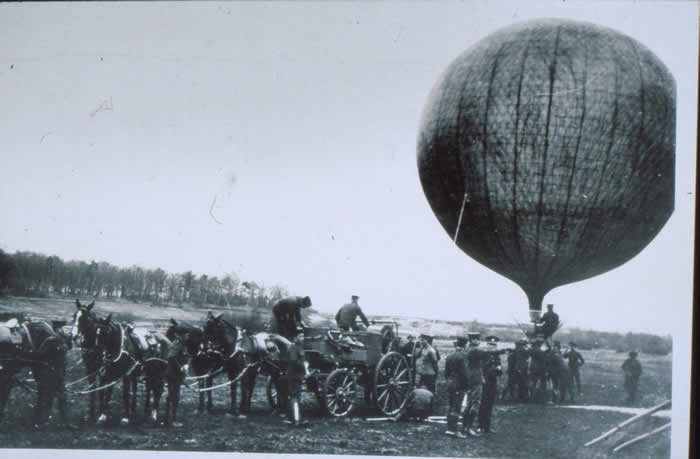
(636, 418)
(642, 437)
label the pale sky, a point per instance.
(278, 140)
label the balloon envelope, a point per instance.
(547, 150)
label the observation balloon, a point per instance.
(547, 152)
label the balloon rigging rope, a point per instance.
(461, 213)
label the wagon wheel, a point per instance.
(272, 396)
(340, 392)
(392, 383)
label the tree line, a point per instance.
(37, 275)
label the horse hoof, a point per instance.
(154, 415)
(102, 419)
(124, 421)
(177, 424)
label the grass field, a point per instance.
(523, 429)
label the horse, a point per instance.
(36, 345)
(203, 363)
(161, 359)
(122, 359)
(222, 337)
(85, 329)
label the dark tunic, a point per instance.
(345, 318)
(287, 313)
(550, 323)
(456, 376)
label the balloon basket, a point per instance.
(535, 315)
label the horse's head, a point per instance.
(65, 338)
(189, 335)
(218, 331)
(108, 335)
(83, 323)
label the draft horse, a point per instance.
(84, 330)
(222, 339)
(37, 346)
(203, 362)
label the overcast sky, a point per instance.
(278, 141)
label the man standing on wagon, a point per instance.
(345, 318)
(287, 312)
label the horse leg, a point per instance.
(234, 389)
(250, 390)
(134, 392)
(126, 386)
(210, 403)
(202, 383)
(157, 393)
(147, 402)
(5, 386)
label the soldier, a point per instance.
(419, 405)
(345, 318)
(517, 385)
(428, 364)
(633, 370)
(537, 370)
(476, 358)
(559, 372)
(492, 370)
(456, 376)
(295, 376)
(287, 313)
(548, 324)
(576, 361)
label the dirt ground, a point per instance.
(523, 429)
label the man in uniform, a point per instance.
(428, 364)
(456, 376)
(295, 377)
(548, 324)
(345, 318)
(538, 371)
(476, 359)
(633, 370)
(492, 370)
(576, 361)
(517, 386)
(287, 312)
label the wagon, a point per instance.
(341, 363)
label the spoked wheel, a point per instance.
(392, 383)
(272, 396)
(340, 392)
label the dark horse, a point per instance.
(163, 359)
(222, 339)
(85, 330)
(122, 359)
(204, 362)
(38, 346)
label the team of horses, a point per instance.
(114, 354)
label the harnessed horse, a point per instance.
(121, 360)
(35, 345)
(223, 338)
(85, 329)
(203, 363)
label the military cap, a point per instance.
(492, 339)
